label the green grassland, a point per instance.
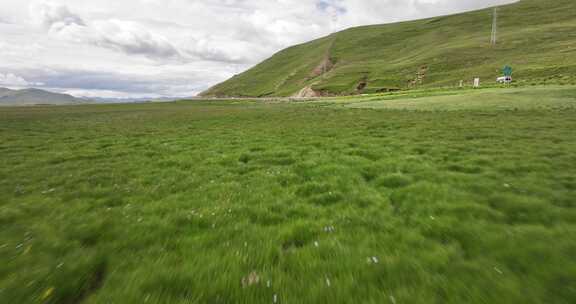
(250, 202)
(536, 37)
(527, 98)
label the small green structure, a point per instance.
(507, 71)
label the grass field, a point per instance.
(246, 202)
(526, 98)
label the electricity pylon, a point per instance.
(494, 38)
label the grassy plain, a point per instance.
(247, 202)
(495, 98)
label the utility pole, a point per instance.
(494, 38)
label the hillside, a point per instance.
(536, 37)
(35, 97)
(5, 92)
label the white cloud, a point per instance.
(132, 38)
(125, 36)
(11, 80)
(174, 47)
(50, 14)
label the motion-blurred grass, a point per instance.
(221, 202)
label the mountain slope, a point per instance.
(34, 97)
(5, 92)
(536, 37)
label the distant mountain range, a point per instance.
(29, 97)
(138, 100)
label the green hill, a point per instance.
(536, 37)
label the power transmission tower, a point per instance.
(494, 38)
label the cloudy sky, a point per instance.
(155, 48)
